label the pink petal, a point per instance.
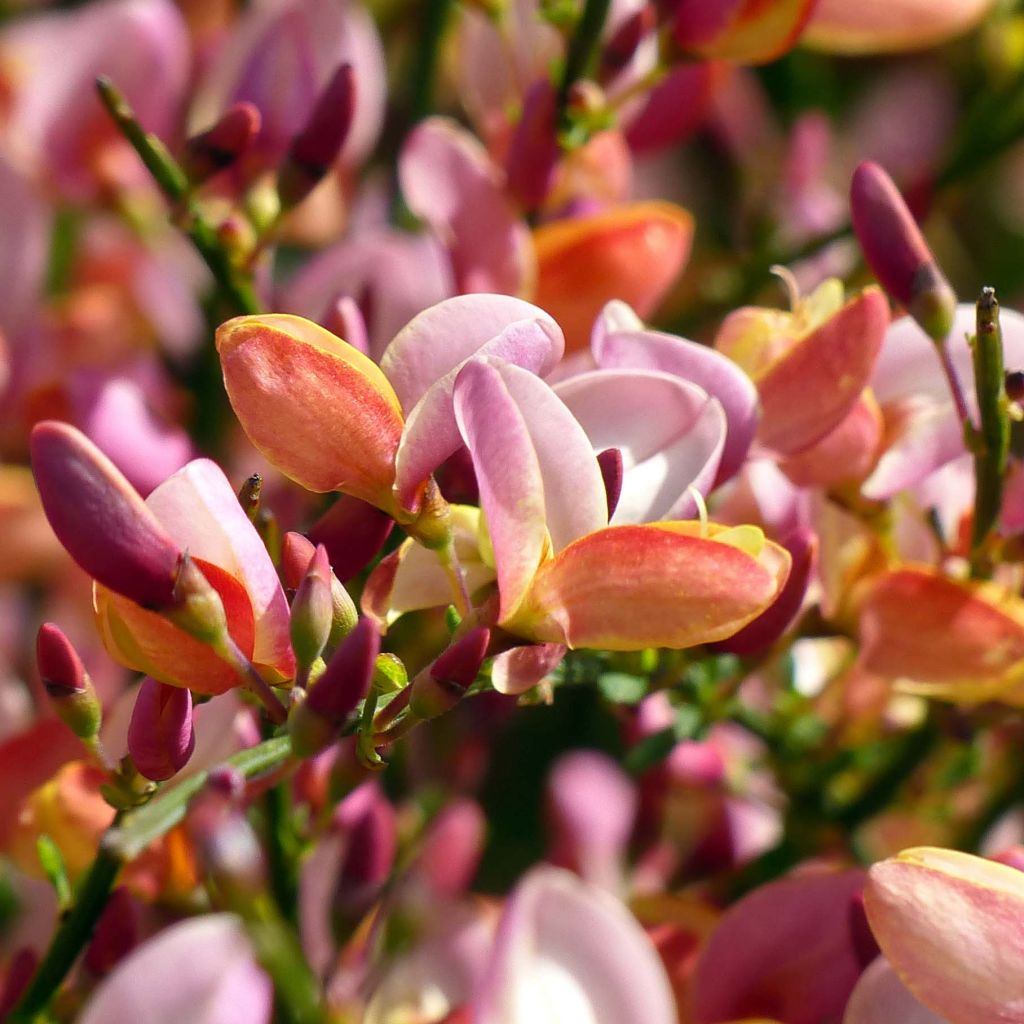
(24, 216)
(201, 970)
(881, 998)
(521, 669)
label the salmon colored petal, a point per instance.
(890, 26)
(317, 408)
(964, 641)
(748, 31)
(632, 252)
(630, 587)
(199, 509)
(952, 926)
(809, 390)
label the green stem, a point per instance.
(173, 182)
(582, 52)
(423, 79)
(991, 442)
(72, 935)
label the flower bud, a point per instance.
(619, 49)
(160, 735)
(116, 934)
(312, 610)
(345, 681)
(20, 969)
(314, 150)
(297, 551)
(533, 152)
(610, 463)
(440, 687)
(220, 146)
(67, 683)
(451, 848)
(897, 253)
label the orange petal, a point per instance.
(952, 926)
(962, 641)
(316, 407)
(632, 252)
(752, 32)
(890, 26)
(661, 585)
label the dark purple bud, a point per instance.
(353, 533)
(67, 683)
(160, 735)
(440, 687)
(221, 145)
(619, 50)
(533, 152)
(117, 932)
(345, 681)
(100, 519)
(312, 610)
(610, 463)
(314, 150)
(897, 253)
(1014, 384)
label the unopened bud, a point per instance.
(296, 552)
(160, 735)
(353, 533)
(312, 610)
(249, 496)
(221, 145)
(610, 463)
(1015, 385)
(345, 681)
(314, 150)
(451, 848)
(440, 687)
(897, 253)
(67, 683)
(533, 152)
(619, 50)
(197, 608)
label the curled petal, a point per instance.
(662, 585)
(632, 252)
(951, 926)
(521, 669)
(316, 407)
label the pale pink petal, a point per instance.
(25, 217)
(200, 510)
(448, 180)
(521, 669)
(881, 998)
(669, 432)
(201, 970)
(567, 951)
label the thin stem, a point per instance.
(173, 182)
(453, 570)
(423, 78)
(582, 53)
(254, 682)
(955, 387)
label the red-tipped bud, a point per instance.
(160, 735)
(221, 145)
(533, 152)
(619, 50)
(897, 253)
(296, 556)
(440, 687)
(100, 519)
(117, 932)
(610, 463)
(315, 722)
(314, 150)
(67, 682)
(312, 610)
(353, 533)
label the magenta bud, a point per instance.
(100, 519)
(451, 848)
(314, 150)
(160, 735)
(366, 821)
(345, 681)
(353, 533)
(865, 945)
(610, 463)
(226, 782)
(312, 610)
(117, 932)
(221, 145)
(619, 50)
(772, 623)
(20, 969)
(67, 683)
(345, 320)
(591, 807)
(296, 556)
(897, 253)
(440, 687)
(533, 152)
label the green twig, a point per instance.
(235, 286)
(991, 442)
(423, 77)
(582, 53)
